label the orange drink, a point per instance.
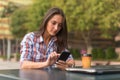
(86, 60)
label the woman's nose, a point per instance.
(56, 27)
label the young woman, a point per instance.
(41, 49)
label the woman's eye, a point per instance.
(53, 23)
(60, 25)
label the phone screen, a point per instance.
(64, 56)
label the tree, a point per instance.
(9, 9)
(82, 16)
(18, 23)
(87, 15)
(5, 13)
(36, 13)
(27, 19)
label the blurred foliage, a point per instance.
(110, 53)
(86, 15)
(9, 9)
(94, 54)
(98, 53)
(75, 53)
(18, 56)
(104, 54)
(18, 23)
(82, 15)
(36, 13)
(3, 57)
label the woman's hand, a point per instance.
(64, 64)
(52, 58)
(61, 65)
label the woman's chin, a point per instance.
(53, 34)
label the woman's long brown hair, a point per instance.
(62, 34)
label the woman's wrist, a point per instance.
(71, 65)
(46, 64)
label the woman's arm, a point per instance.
(31, 64)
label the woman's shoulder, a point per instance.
(32, 36)
(29, 35)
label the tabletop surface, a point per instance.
(52, 74)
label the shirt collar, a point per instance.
(42, 40)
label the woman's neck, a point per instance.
(46, 38)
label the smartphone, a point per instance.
(63, 56)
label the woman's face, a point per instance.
(54, 25)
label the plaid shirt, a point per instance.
(34, 48)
